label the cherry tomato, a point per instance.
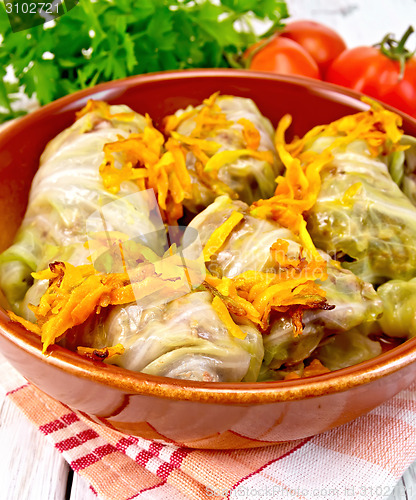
(321, 42)
(370, 71)
(283, 56)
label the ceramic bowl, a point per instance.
(198, 415)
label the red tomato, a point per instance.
(283, 56)
(369, 71)
(321, 42)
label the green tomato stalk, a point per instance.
(396, 50)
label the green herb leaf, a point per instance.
(4, 98)
(102, 40)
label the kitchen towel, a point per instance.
(362, 459)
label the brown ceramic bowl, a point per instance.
(199, 415)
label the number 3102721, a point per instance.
(31, 8)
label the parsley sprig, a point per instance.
(104, 40)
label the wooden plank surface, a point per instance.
(406, 487)
(80, 489)
(30, 467)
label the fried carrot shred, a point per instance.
(207, 147)
(172, 122)
(297, 191)
(32, 327)
(76, 292)
(315, 368)
(153, 164)
(279, 253)
(224, 315)
(103, 109)
(378, 127)
(208, 121)
(101, 354)
(347, 199)
(291, 290)
(250, 133)
(219, 236)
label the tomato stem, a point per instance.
(258, 48)
(234, 60)
(396, 50)
(404, 38)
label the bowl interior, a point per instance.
(309, 102)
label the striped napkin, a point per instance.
(363, 459)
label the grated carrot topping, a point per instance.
(76, 292)
(32, 327)
(250, 133)
(172, 122)
(292, 289)
(378, 127)
(215, 184)
(226, 318)
(103, 109)
(279, 253)
(146, 159)
(315, 368)
(219, 236)
(208, 147)
(297, 192)
(101, 354)
(209, 120)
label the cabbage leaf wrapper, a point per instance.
(184, 339)
(399, 305)
(66, 190)
(250, 247)
(361, 217)
(230, 150)
(402, 167)
(347, 349)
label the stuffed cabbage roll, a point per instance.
(402, 167)
(230, 149)
(361, 216)
(249, 246)
(183, 339)
(347, 349)
(66, 190)
(357, 308)
(399, 308)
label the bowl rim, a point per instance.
(228, 393)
